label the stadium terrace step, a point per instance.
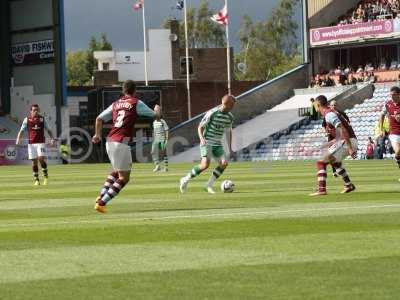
(8, 128)
(303, 143)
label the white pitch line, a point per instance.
(213, 215)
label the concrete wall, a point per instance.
(356, 97)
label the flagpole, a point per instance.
(189, 105)
(145, 45)
(228, 50)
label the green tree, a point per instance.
(269, 48)
(202, 31)
(82, 64)
(76, 68)
(94, 45)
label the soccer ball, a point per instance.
(227, 186)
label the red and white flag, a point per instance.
(221, 17)
(138, 5)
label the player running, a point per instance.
(344, 144)
(123, 114)
(159, 147)
(392, 111)
(211, 130)
(331, 134)
(36, 125)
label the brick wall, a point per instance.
(204, 95)
(208, 64)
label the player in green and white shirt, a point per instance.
(211, 131)
(160, 139)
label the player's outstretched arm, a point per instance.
(24, 127)
(18, 140)
(144, 111)
(200, 132)
(98, 128)
(50, 133)
(105, 116)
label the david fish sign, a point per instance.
(33, 53)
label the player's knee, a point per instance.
(204, 164)
(124, 179)
(224, 164)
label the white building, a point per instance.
(130, 65)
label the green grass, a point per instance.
(267, 240)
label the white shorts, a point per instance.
(340, 150)
(394, 139)
(36, 150)
(120, 156)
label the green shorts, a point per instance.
(212, 151)
(159, 145)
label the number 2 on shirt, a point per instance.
(120, 119)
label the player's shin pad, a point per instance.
(195, 172)
(218, 171)
(342, 172)
(321, 175)
(109, 182)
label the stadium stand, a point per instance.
(304, 141)
(301, 98)
(371, 10)
(284, 117)
(8, 128)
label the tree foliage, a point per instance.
(76, 68)
(94, 45)
(269, 48)
(202, 31)
(81, 64)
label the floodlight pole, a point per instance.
(146, 76)
(228, 50)
(189, 105)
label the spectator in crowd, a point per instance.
(338, 71)
(388, 147)
(329, 81)
(370, 149)
(371, 10)
(351, 79)
(312, 82)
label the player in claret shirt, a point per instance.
(36, 125)
(343, 145)
(392, 111)
(123, 114)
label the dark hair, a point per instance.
(395, 89)
(129, 87)
(34, 105)
(322, 100)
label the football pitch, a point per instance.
(267, 240)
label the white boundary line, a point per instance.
(194, 216)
